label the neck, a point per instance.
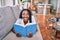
(25, 22)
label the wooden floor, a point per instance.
(43, 24)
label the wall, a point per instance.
(54, 3)
(58, 6)
(9, 2)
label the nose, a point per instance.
(25, 16)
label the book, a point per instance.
(24, 30)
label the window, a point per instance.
(0, 3)
(26, 0)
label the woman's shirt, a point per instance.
(20, 21)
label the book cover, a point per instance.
(24, 31)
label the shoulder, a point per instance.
(19, 19)
(33, 16)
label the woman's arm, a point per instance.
(17, 22)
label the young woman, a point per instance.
(25, 18)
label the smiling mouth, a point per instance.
(25, 17)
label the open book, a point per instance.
(25, 30)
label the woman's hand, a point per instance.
(30, 35)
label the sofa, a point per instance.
(8, 16)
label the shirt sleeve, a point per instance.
(33, 19)
(18, 21)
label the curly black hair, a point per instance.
(29, 12)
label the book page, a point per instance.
(20, 24)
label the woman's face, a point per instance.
(25, 15)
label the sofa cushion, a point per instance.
(7, 20)
(16, 11)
